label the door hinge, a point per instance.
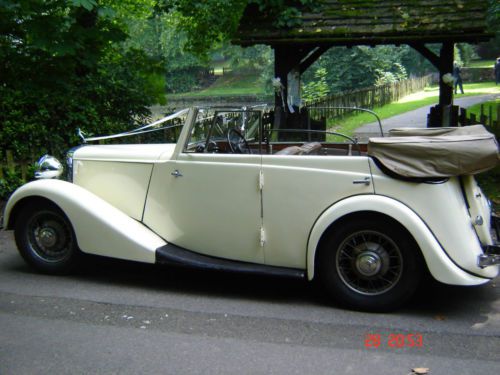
(262, 237)
(261, 180)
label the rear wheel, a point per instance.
(370, 264)
(45, 239)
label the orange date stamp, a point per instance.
(394, 340)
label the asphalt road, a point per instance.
(126, 318)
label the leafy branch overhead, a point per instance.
(63, 65)
(212, 21)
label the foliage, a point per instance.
(387, 77)
(316, 89)
(63, 66)
(467, 53)
(213, 21)
(159, 38)
(206, 22)
(490, 184)
(491, 49)
(10, 182)
(358, 67)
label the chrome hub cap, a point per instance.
(369, 262)
(47, 237)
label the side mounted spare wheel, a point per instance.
(369, 264)
(45, 238)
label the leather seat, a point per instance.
(305, 149)
(311, 148)
(291, 150)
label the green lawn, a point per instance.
(414, 101)
(229, 85)
(481, 64)
(476, 109)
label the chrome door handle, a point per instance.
(366, 181)
(176, 173)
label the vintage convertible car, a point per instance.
(229, 192)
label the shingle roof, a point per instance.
(347, 22)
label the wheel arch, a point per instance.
(440, 266)
(99, 227)
(10, 220)
(365, 214)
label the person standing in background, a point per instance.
(457, 78)
(497, 71)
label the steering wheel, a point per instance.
(237, 142)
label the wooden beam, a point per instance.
(427, 53)
(312, 57)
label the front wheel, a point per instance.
(370, 264)
(45, 239)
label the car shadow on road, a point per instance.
(431, 299)
(195, 281)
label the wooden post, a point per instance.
(446, 66)
(482, 117)
(10, 161)
(24, 171)
(462, 118)
(498, 117)
(445, 90)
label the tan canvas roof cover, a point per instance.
(436, 152)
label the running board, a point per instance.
(172, 255)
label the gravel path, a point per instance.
(416, 118)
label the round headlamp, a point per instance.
(48, 167)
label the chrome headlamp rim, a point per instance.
(48, 167)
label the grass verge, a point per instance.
(476, 109)
(229, 85)
(411, 102)
(481, 64)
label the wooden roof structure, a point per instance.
(330, 23)
(370, 22)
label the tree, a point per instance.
(491, 49)
(316, 89)
(214, 21)
(63, 66)
(358, 67)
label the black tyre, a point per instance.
(45, 239)
(370, 264)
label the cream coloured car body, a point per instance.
(129, 200)
(100, 228)
(118, 174)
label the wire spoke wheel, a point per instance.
(49, 236)
(369, 262)
(45, 238)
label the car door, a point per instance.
(296, 190)
(211, 197)
(216, 205)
